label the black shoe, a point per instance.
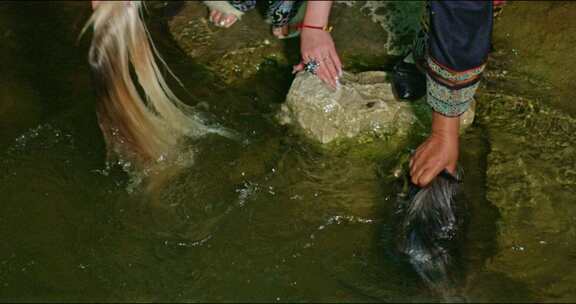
(173, 8)
(408, 82)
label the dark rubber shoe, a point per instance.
(408, 82)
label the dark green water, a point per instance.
(271, 219)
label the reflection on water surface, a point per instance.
(270, 219)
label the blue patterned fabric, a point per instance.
(453, 47)
(278, 12)
(281, 12)
(243, 5)
(460, 33)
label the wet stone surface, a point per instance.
(364, 106)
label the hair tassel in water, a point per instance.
(427, 230)
(143, 131)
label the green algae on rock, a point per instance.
(364, 106)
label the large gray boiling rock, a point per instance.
(363, 105)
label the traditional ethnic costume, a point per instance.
(452, 49)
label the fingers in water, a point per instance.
(422, 171)
(414, 177)
(451, 169)
(416, 180)
(427, 176)
(415, 164)
(418, 174)
(419, 165)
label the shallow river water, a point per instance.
(271, 218)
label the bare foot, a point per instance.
(285, 31)
(222, 20)
(280, 32)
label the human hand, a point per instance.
(318, 45)
(438, 152)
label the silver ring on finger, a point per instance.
(312, 66)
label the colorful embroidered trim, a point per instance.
(454, 78)
(448, 101)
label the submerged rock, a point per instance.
(531, 172)
(363, 105)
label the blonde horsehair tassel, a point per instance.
(137, 128)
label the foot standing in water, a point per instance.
(281, 14)
(284, 15)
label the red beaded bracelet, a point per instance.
(324, 28)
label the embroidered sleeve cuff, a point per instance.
(448, 101)
(448, 109)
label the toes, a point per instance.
(277, 31)
(229, 20)
(281, 32)
(222, 20)
(217, 18)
